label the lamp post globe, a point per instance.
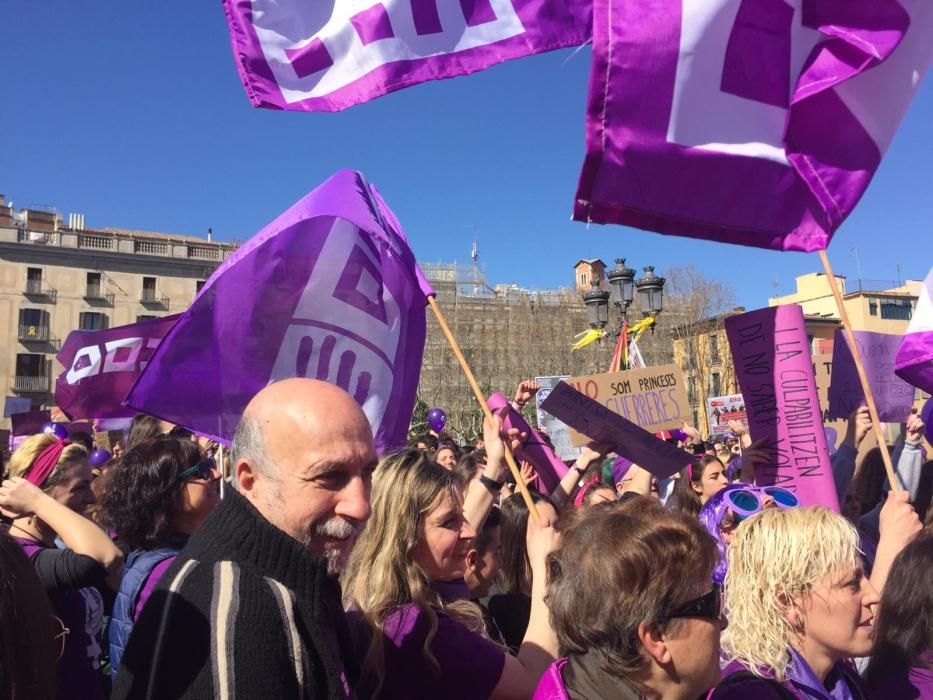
(596, 301)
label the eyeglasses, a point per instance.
(61, 636)
(748, 500)
(202, 470)
(708, 606)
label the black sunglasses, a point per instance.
(202, 470)
(708, 606)
(180, 433)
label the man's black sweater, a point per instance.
(245, 611)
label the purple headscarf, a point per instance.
(620, 467)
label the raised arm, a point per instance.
(82, 536)
(521, 673)
(590, 453)
(483, 492)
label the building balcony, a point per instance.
(40, 290)
(31, 384)
(34, 334)
(43, 238)
(94, 293)
(149, 297)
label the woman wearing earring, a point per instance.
(800, 607)
(159, 493)
(46, 494)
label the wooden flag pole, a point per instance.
(522, 486)
(860, 368)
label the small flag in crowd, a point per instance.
(743, 121)
(101, 366)
(914, 360)
(327, 56)
(329, 290)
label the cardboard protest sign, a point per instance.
(893, 396)
(722, 409)
(599, 423)
(775, 371)
(654, 398)
(557, 430)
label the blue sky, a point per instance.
(133, 114)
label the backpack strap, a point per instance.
(745, 676)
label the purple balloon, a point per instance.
(57, 430)
(99, 457)
(437, 419)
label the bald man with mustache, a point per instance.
(251, 608)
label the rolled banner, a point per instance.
(548, 466)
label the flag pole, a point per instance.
(223, 469)
(516, 474)
(860, 368)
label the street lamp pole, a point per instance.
(622, 286)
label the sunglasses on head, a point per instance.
(749, 500)
(202, 470)
(707, 606)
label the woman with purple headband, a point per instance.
(45, 495)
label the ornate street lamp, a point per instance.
(597, 306)
(650, 292)
(622, 285)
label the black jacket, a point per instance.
(245, 611)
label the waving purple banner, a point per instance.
(757, 122)
(101, 366)
(914, 360)
(327, 56)
(330, 290)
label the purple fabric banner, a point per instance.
(28, 423)
(101, 366)
(329, 290)
(756, 122)
(914, 360)
(327, 56)
(894, 397)
(772, 360)
(548, 466)
(627, 439)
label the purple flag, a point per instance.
(914, 360)
(756, 122)
(894, 397)
(28, 422)
(101, 366)
(329, 290)
(327, 56)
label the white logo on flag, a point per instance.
(315, 48)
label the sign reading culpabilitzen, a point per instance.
(654, 398)
(772, 360)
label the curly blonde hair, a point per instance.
(26, 454)
(382, 575)
(776, 558)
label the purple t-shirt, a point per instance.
(470, 664)
(149, 586)
(918, 683)
(81, 611)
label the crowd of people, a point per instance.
(325, 571)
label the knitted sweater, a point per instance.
(244, 611)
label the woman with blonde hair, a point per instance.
(405, 581)
(46, 495)
(799, 606)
